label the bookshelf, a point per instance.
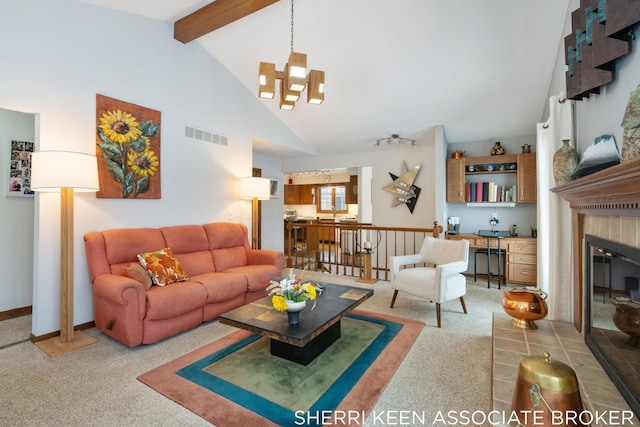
(505, 180)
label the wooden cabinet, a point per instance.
(527, 182)
(521, 165)
(327, 234)
(455, 180)
(299, 194)
(522, 261)
(305, 194)
(290, 195)
(351, 192)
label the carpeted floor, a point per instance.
(446, 369)
(354, 370)
(14, 330)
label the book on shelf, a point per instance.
(490, 192)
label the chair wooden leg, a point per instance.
(393, 300)
(464, 307)
(438, 314)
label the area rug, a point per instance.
(234, 381)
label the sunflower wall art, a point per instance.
(128, 150)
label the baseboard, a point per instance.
(16, 312)
(81, 327)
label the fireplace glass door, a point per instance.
(612, 313)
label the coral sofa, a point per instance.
(223, 273)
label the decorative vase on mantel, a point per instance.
(293, 311)
(565, 162)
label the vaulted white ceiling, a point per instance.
(480, 68)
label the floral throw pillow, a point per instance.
(163, 267)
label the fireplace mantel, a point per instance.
(614, 188)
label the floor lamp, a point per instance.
(64, 172)
(255, 188)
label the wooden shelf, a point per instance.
(525, 172)
(491, 172)
(491, 204)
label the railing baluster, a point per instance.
(337, 247)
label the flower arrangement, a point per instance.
(282, 290)
(493, 222)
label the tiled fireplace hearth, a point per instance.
(605, 204)
(565, 344)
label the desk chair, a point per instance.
(443, 281)
(502, 258)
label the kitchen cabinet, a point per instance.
(351, 193)
(290, 195)
(299, 194)
(327, 234)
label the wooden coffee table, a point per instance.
(317, 330)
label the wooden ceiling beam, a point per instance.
(213, 16)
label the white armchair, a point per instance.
(439, 283)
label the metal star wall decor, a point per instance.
(402, 187)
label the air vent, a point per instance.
(205, 135)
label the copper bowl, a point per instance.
(525, 305)
(627, 319)
(457, 154)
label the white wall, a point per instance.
(382, 162)
(58, 54)
(16, 227)
(271, 218)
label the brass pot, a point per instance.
(457, 154)
(544, 386)
(525, 306)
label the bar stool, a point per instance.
(296, 229)
(502, 257)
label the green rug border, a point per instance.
(274, 412)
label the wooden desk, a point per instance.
(522, 265)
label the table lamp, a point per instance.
(64, 172)
(255, 188)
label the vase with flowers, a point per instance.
(291, 295)
(493, 222)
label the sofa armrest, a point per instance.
(398, 261)
(113, 288)
(266, 257)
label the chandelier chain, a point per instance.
(291, 25)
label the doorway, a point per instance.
(16, 229)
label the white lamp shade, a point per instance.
(255, 187)
(54, 170)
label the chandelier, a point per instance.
(293, 79)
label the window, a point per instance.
(330, 198)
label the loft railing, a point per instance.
(343, 248)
